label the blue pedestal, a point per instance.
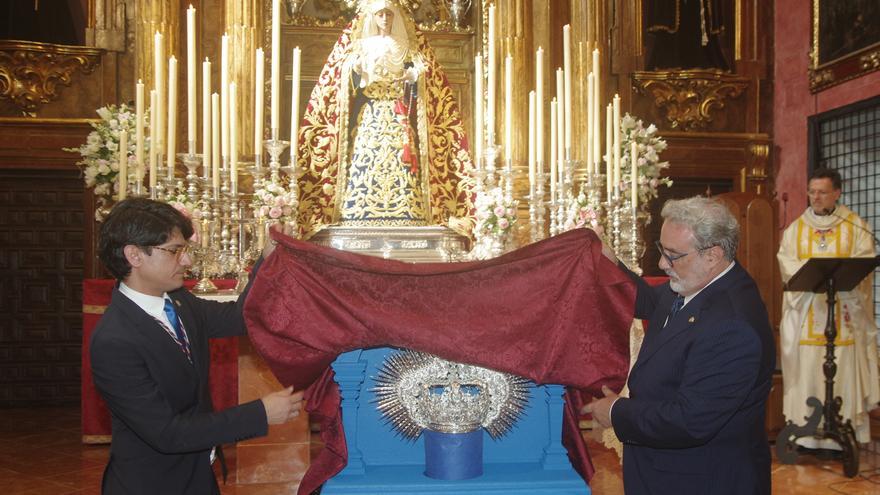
(530, 459)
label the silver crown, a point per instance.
(417, 391)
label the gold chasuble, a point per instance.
(802, 332)
(382, 141)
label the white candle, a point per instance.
(259, 103)
(597, 101)
(553, 148)
(590, 128)
(191, 77)
(122, 173)
(508, 110)
(567, 103)
(172, 114)
(616, 131)
(634, 171)
(561, 110)
(224, 97)
(531, 155)
(215, 142)
(139, 132)
(539, 109)
(233, 138)
(276, 65)
(560, 150)
(206, 119)
(478, 111)
(159, 85)
(490, 83)
(609, 146)
(294, 105)
(154, 146)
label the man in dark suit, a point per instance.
(150, 360)
(694, 419)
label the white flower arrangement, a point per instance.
(100, 153)
(274, 203)
(495, 215)
(649, 166)
(581, 214)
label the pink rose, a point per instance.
(275, 212)
(503, 223)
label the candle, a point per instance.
(158, 84)
(224, 97)
(139, 132)
(531, 142)
(206, 119)
(616, 131)
(490, 83)
(539, 110)
(191, 79)
(233, 138)
(154, 147)
(567, 103)
(508, 110)
(597, 99)
(276, 65)
(172, 114)
(634, 173)
(561, 109)
(553, 149)
(122, 173)
(590, 128)
(215, 142)
(560, 149)
(294, 105)
(259, 103)
(478, 111)
(609, 145)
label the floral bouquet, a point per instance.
(100, 162)
(649, 166)
(495, 214)
(582, 214)
(274, 203)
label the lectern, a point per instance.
(828, 275)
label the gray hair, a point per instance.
(710, 221)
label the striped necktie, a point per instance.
(171, 313)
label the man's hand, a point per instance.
(601, 408)
(271, 243)
(282, 406)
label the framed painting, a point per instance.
(845, 41)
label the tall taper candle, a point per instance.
(597, 103)
(478, 111)
(616, 107)
(206, 120)
(560, 148)
(224, 97)
(122, 172)
(191, 76)
(609, 154)
(158, 110)
(233, 139)
(294, 105)
(154, 148)
(590, 124)
(531, 155)
(539, 109)
(139, 132)
(508, 110)
(553, 148)
(215, 142)
(491, 82)
(561, 109)
(172, 115)
(275, 88)
(259, 103)
(567, 104)
(634, 173)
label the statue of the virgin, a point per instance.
(382, 141)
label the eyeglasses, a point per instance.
(178, 252)
(672, 258)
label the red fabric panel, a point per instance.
(556, 311)
(95, 416)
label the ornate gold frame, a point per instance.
(827, 73)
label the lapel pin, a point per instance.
(691, 319)
(177, 303)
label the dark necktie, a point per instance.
(677, 303)
(171, 313)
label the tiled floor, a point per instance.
(41, 454)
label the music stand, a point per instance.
(827, 275)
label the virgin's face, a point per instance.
(384, 21)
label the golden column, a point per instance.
(244, 24)
(152, 16)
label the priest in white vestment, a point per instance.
(828, 230)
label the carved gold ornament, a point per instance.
(31, 73)
(688, 100)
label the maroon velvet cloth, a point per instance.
(556, 311)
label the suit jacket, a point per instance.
(694, 421)
(163, 421)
